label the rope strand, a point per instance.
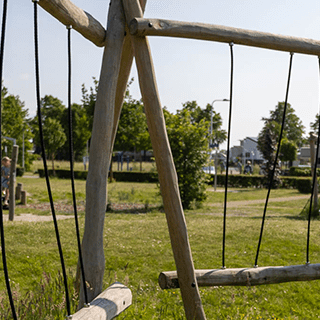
(314, 181)
(72, 169)
(3, 248)
(44, 155)
(275, 161)
(227, 166)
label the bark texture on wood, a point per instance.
(107, 305)
(92, 245)
(203, 31)
(167, 173)
(245, 276)
(12, 201)
(70, 15)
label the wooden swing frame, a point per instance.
(124, 39)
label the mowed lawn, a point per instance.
(137, 249)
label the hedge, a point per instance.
(128, 176)
(303, 184)
(301, 172)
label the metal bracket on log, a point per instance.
(107, 305)
(245, 276)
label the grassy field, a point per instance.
(137, 249)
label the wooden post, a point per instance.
(12, 201)
(314, 162)
(107, 305)
(167, 173)
(18, 191)
(23, 197)
(245, 276)
(209, 32)
(101, 143)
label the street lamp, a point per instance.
(211, 144)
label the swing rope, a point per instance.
(227, 166)
(275, 160)
(3, 248)
(44, 154)
(314, 181)
(72, 169)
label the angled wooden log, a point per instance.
(92, 244)
(245, 276)
(70, 15)
(107, 305)
(167, 173)
(124, 73)
(203, 31)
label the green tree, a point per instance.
(15, 124)
(132, 133)
(89, 98)
(267, 145)
(198, 114)
(293, 128)
(53, 137)
(80, 132)
(314, 126)
(293, 131)
(189, 146)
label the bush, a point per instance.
(19, 172)
(301, 172)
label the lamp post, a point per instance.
(211, 144)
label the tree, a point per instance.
(189, 146)
(80, 132)
(15, 124)
(293, 131)
(198, 114)
(314, 126)
(132, 131)
(53, 137)
(267, 145)
(293, 127)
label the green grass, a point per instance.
(137, 249)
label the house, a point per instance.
(247, 151)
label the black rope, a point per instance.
(275, 161)
(72, 169)
(3, 248)
(227, 166)
(44, 154)
(314, 181)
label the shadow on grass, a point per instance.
(133, 208)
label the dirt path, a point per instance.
(249, 202)
(28, 217)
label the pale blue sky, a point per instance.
(185, 69)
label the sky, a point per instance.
(186, 70)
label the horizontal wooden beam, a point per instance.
(70, 15)
(107, 305)
(245, 276)
(202, 31)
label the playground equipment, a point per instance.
(125, 38)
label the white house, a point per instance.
(248, 151)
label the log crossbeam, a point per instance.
(209, 32)
(245, 276)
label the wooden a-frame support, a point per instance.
(120, 46)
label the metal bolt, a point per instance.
(150, 24)
(193, 285)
